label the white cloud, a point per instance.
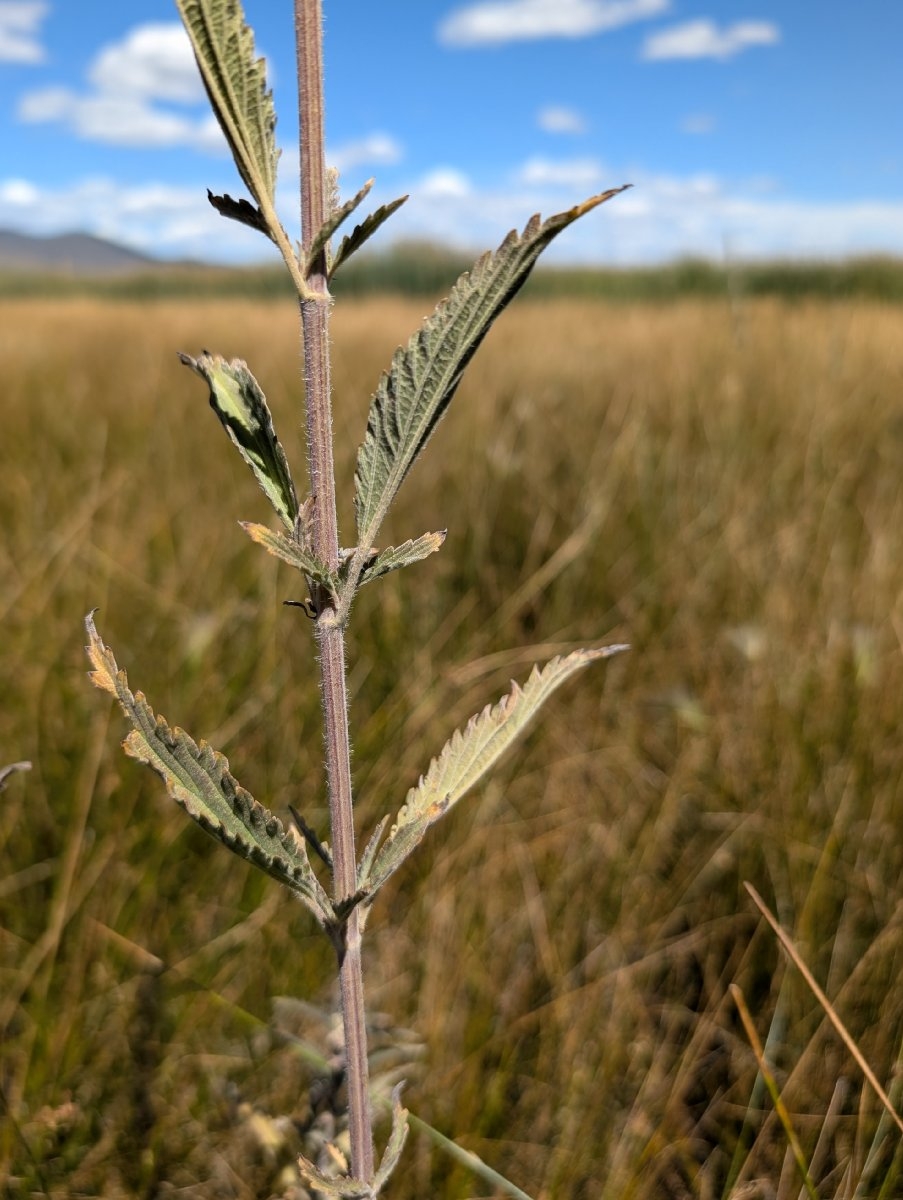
(498, 21)
(132, 79)
(154, 60)
(444, 183)
(377, 149)
(662, 217)
(556, 118)
(120, 120)
(576, 173)
(20, 22)
(158, 219)
(697, 123)
(703, 39)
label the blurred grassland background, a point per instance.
(717, 481)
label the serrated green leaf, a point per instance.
(414, 394)
(291, 552)
(321, 238)
(235, 80)
(361, 233)
(236, 398)
(198, 779)
(469, 755)
(394, 557)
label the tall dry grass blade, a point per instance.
(771, 1083)
(830, 1012)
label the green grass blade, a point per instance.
(469, 754)
(414, 394)
(198, 779)
(468, 1159)
(238, 401)
(236, 83)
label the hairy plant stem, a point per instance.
(330, 633)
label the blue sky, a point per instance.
(749, 129)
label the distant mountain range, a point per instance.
(74, 253)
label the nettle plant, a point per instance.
(410, 399)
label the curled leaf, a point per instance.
(240, 210)
(198, 779)
(238, 401)
(395, 1144)
(11, 769)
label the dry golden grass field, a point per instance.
(721, 486)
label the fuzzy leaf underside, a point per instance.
(361, 233)
(237, 399)
(469, 754)
(198, 779)
(289, 551)
(236, 83)
(414, 393)
(240, 210)
(394, 557)
(322, 237)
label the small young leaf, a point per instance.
(402, 556)
(321, 238)
(292, 553)
(414, 394)
(241, 406)
(395, 1144)
(469, 755)
(361, 233)
(366, 864)
(344, 1187)
(198, 779)
(236, 84)
(240, 210)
